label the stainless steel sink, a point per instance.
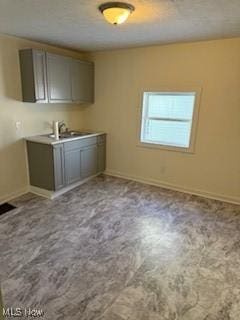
(70, 134)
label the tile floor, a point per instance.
(114, 249)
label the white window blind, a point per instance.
(167, 118)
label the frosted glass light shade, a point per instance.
(116, 15)
(116, 12)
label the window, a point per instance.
(167, 119)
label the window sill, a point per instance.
(165, 147)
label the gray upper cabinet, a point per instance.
(82, 81)
(59, 78)
(52, 78)
(33, 75)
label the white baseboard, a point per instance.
(14, 195)
(154, 182)
(41, 192)
(54, 194)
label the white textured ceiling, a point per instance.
(79, 25)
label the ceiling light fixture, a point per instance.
(116, 12)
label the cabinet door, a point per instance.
(41, 165)
(33, 75)
(59, 78)
(59, 174)
(72, 160)
(82, 81)
(89, 161)
(40, 75)
(101, 157)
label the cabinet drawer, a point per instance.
(71, 145)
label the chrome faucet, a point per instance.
(61, 125)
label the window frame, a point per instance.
(193, 133)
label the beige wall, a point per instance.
(35, 118)
(122, 76)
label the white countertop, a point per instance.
(45, 139)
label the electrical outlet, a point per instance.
(18, 125)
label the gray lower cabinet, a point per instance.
(81, 158)
(53, 167)
(72, 166)
(89, 161)
(101, 157)
(59, 167)
(41, 165)
(80, 163)
(33, 75)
